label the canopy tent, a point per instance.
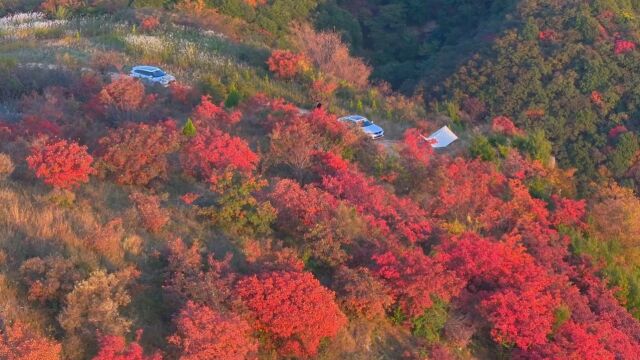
(442, 138)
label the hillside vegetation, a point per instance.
(226, 216)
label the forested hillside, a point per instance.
(228, 216)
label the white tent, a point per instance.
(442, 138)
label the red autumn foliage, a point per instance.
(19, 343)
(323, 89)
(596, 98)
(204, 333)
(33, 126)
(392, 215)
(505, 126)
(574, 341)
(189, 198)
(415, 279)
(301, 208)
(623, 46)
(121, 99)
(515, 166)
(315, 217)
(616, 131)
(49, 279)
(208, 114)
(294, 146)
(296, 138)
(360, 292)
(514, 294)
(293, 308)
(547, 35)
(327, 51)
(534, 113)
(255, 3)
(470, 192)
(137, 153)
(190, 278)
(116, 348)
(153, 217)
(61, 164)
(416, 147)
(180, 93)
(567, 211)
(212, 153)
(149, 23)
(286, 64)
(124, 93)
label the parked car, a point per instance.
(372, 130)
(152, 74)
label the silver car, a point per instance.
(372, 130)
(152, 74)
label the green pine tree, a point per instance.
(233, 98)
(189, 130)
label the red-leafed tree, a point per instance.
(470, 193)
(505, 126)
(361, 293)
(286, 64)
(517, 297)
(33, 126)
(61, 164)
(293, 308)
(293, 145)
(203, 333)
(624, 46)
(323, 89)
(19, 343)
(416, 147)
(616, 131)
(116, 348)
(212, 153)
(567, 211)
(301, 208)
(137, 153)
(122, 98)
(596, 98)
(326, 226)
(208, 114)
(390, 214)
(547, 35)
(153, 217)
(149, 23)
(296, 138)
(181, 93)
(573, 341)
(415, 279)
(278, 111)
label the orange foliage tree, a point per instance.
(203, 333)
(286, 64)
(293, 308)
(61, 164)
(19, 343)
(149, 23)
(212, 153)
(208, 114)
(137, 153)
(616, 215)
(415, 279)
(122, 98)
(116, 348)
(153, 217)
(327, 51)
